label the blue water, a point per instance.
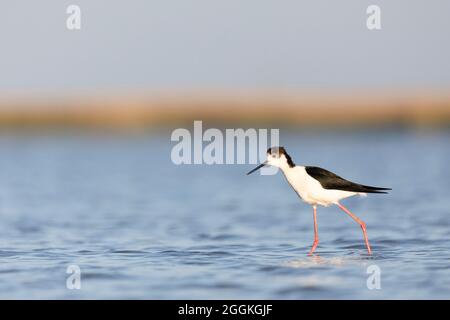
(140, 227)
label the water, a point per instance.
(140, 227)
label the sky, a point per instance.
(183, 44)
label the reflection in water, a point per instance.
(317, 260)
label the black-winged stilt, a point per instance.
(317, 186)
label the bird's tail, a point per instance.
(370, 189)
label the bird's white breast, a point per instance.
(310, 190)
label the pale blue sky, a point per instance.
(223, 44)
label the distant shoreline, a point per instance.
(279, 108)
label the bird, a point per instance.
(318, 187)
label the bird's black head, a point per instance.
(277, 157)
(279, 152)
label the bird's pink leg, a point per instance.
(316, 232)
(360, 222)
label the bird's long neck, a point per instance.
(293, 174)
(287, 165)
(287, 170)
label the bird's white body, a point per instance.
(317, 186)
(310, 190)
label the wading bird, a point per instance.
(317, 186)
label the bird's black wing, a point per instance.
(329, 180)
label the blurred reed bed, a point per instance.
(140, 110)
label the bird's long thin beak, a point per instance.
(257, 168)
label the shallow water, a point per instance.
(140, 227)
